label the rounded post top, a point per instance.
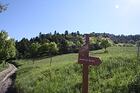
(87, 38)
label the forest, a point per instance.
(56, 44)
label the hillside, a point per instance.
(64, 43)
(119, 73)
(119, 38)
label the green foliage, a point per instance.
(138, 43)
(2, 7)
(43, 49)
(52, 48)
(95, 43)
(3, 68)
(34, 50)
(129, 39)
(23, 48)
(48, 49)
(105, 43)
(118, 73)
(70, 43)
(138, 51)
(7, 47)
(51, 44)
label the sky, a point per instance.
(26, 18)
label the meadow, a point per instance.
(118, 73)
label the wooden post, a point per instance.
(138, 49)
(86, 60)
(85, 68)
(138, 52)
(85, 79)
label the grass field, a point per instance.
(118, 73)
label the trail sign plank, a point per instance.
(86, 60)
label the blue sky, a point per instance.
(26, 18)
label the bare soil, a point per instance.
(5, 80)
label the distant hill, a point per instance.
(119, 38)
(55, 44)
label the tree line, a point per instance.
(48, 45)
(131, 39)
(55, 44)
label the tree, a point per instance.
(55, 33)
(138, 45)
(43, 49)
(2, 7)
(7, 47)
(34, 50)
(78, 33)
(63, 46)
(66, 32)
(70, 46)
(104, 44)
(23, 48)
(52, 50)
(95, 44)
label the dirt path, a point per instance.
(5, 80)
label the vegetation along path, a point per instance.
(5, 80)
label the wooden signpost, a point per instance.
(86, 60)
(138, 50)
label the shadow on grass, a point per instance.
(15, 64)
(135, 87)
(100, 52)
(12, 88)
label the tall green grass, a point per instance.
(118, 73)
(3, 66)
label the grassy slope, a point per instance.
(118, 73)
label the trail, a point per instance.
(5, 80)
